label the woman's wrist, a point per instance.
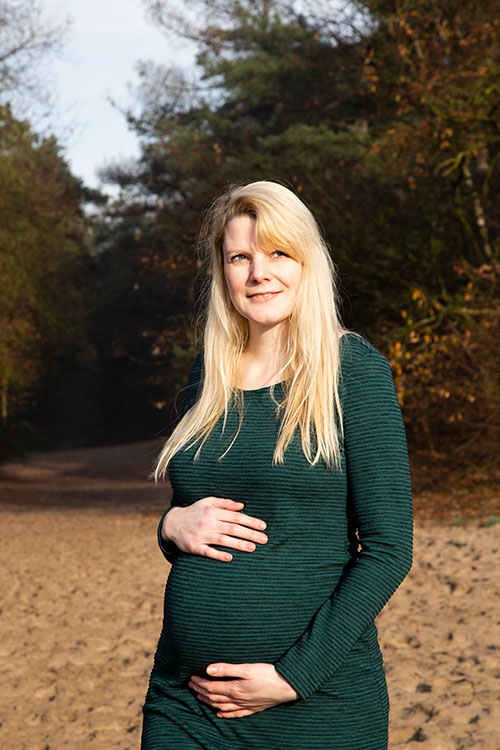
(167, 531)
(168, 547)
(288, 693)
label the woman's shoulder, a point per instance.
(360, 359)
(354, 346)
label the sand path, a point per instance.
(82, 584)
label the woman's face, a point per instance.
(263, 284)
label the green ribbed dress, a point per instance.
(339, 545)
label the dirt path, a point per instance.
(82, 585)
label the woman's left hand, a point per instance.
(255, 687)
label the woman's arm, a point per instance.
(379, 503)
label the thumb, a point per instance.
(221, 669)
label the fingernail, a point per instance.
(262, 525)
(212, 670)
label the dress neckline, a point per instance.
(246, 391)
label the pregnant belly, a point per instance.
(251, 609)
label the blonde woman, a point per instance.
(290, 524)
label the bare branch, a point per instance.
(27, 38)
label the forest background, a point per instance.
(383, 115)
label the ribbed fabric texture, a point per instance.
(339, 545)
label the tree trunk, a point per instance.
(480, 221)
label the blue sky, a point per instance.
(105, 40)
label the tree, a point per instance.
(435, 69)
(277, 96)
(384, 117)
(27, 40)
(41, 251)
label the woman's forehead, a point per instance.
(245, 232)
(240, 230)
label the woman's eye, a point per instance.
(280, 254)
(238, 256)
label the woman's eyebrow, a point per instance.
(233, 250)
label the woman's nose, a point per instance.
(259, 269)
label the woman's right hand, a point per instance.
(213, 520)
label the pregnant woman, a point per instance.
(290, 524)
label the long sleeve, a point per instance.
(191, 395)
(379, 508)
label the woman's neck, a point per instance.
(261, 363)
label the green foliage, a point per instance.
(492, 521)
(41, 245)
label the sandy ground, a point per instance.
(82, 584)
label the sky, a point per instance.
(105, 40)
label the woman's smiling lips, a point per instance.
(262, 296)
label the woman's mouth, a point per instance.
(262, 296)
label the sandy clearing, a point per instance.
(82, 585)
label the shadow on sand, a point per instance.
(107, 477)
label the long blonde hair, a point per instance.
(311, 396)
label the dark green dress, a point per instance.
(306, 600)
